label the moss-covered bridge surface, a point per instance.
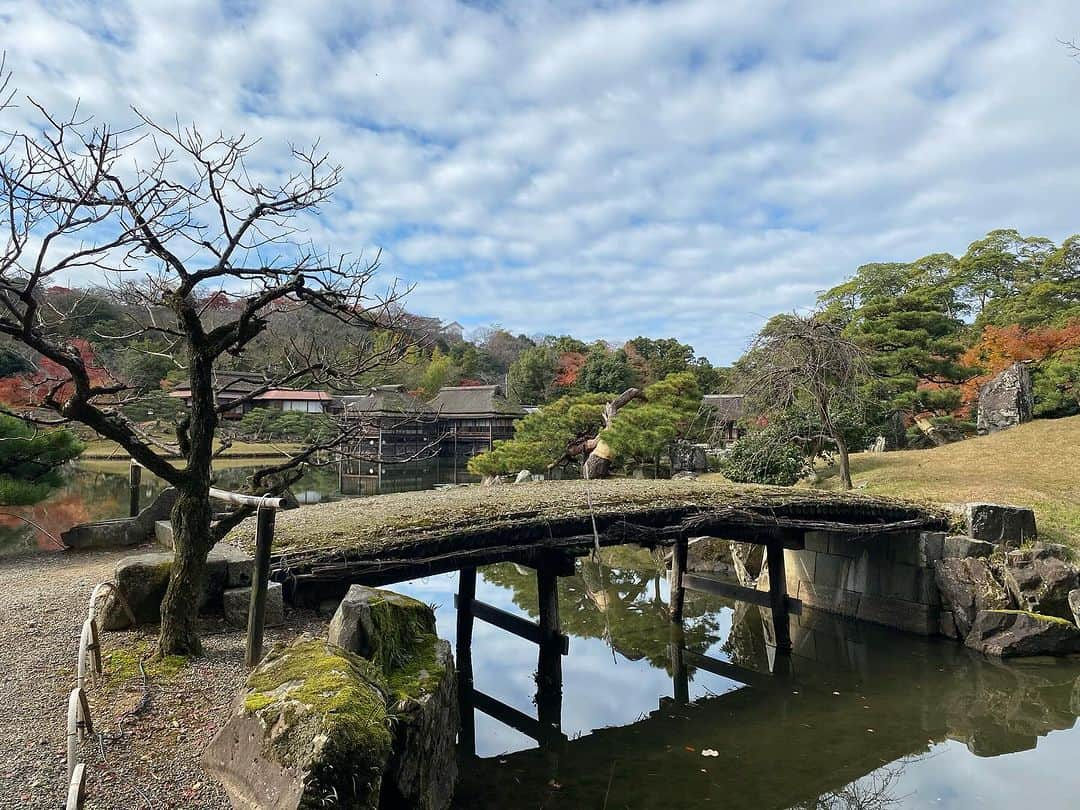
(388, 538)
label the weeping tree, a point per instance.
(805, 375)
(168, 220)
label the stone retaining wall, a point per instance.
(885, 579)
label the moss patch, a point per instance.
(420, 673)
(122, 662)
(1038, 616)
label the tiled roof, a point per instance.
(294, 396)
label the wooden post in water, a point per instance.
(466, 595)
(264, 538)
(680, 678)
(778, 595)
(547, 590)
(678, 568)
(134, 480)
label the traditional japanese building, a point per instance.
(397, 426)
(471, 418)
(234, 386)
(723, 412)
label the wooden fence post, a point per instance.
(264, 538)
(134, 480)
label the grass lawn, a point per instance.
(1036, 465)
(102, 449)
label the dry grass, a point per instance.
(1037, 465)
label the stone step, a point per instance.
(163, 533)
(238, 601)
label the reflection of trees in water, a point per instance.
(875, 791)
(617, 599)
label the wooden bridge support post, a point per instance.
(134, 480)
(549, 679)
(678, 568)
(778, 595)
(466, 595)
(679, 676)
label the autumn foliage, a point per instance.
(29, 390)
(998, 347)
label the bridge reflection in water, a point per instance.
(832, 724)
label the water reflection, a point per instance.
(857, 717)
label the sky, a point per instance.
(608, 169)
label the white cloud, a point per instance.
(684, 168)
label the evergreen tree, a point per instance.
(645, 429)
(30, 460)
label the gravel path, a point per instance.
(151, 758)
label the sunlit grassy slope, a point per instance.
(1037, 465)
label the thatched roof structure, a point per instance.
(471, 524)
(474, 402)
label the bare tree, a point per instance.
(169, 219)
(807, 365)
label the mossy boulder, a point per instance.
(309, 730)
(1040, 579)
(967, 586)
(143, 578)
(397, 633)
(1013, 633)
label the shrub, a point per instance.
(765, 457)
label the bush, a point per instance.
(765, 457)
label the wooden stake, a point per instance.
(134, 480)
(466, 708)
(264, 538)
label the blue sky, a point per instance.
(610, 169)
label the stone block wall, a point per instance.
(886, 579)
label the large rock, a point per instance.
(1040, 581)
(1006, 400)
(309, 730)
(958, 547)
(967, 586)
(1001, 524)
(397, 633)
(1010, 633)
(143, 578)
(121, 532)
(1074, 604)
(237, 604)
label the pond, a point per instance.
(857, 717)
(98, 490)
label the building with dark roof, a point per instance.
(472, 417)
(396, 426)
(723, 413)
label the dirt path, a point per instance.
(145, 759)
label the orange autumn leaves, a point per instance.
(998, 347)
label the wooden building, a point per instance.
(472, 418)
(397, 426)
(723, 412)
(232, 386)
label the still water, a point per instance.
(858, 717)
(99, 490)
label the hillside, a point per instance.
(1037, 465)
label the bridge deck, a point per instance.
(389, 538)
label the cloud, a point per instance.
(681, 168)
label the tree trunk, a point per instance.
(191, 516)
(845, 465)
